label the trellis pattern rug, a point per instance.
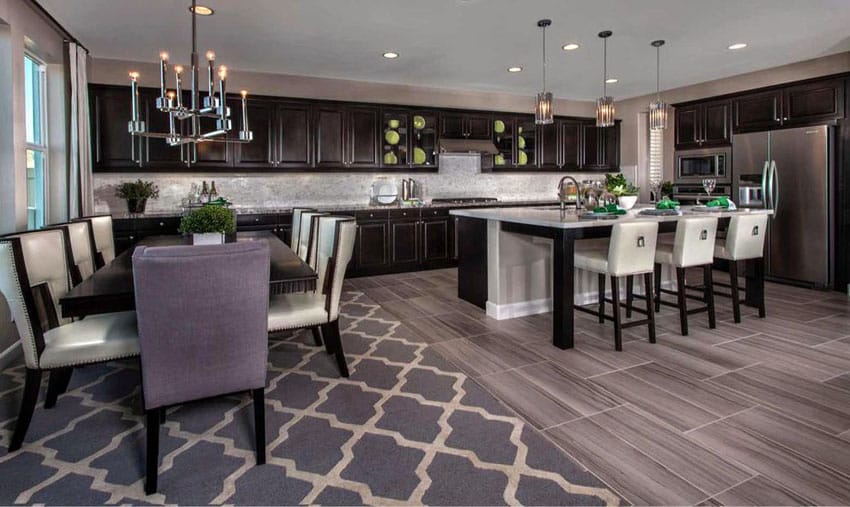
(406, 428)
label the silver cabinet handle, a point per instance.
(162, 224)
(765, 192)
(774, 175)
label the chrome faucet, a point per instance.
(562, 198)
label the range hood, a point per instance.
(466, 146)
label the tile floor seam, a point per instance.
(731, 371)
(618, 370)
(515, 368)
(687, 432)
(701, 502)
(624, 404)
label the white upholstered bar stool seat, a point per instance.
(631, 251)
(744, 240)
(692, 246)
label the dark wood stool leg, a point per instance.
(260, 425)
(618, 326)
(657, 275)
(708, 281)
(331, 334)
(58, 384)
(650, 314)
(736, 300)
(683, 300)
(317, 336)
(30, 398)
(600, 282)
(630, 294)
(152, 422)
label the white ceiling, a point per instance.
(468, 44)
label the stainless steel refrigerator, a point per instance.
(789, 171)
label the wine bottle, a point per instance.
(205, 192)
(213, 193)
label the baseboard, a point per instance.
(11, 354)
(536, 306)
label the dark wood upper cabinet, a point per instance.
(293, 127)
(452, 125)
(479, 126)
(687, 121)
(527, 143)
(113, 148)
(548, 146)
(330, 137)
(813, 102)
(702, 125)
(362, 135)
(424, 136)
(601, 147)
(260, 152)
(757, 111)
(216, 155)
(466, 125)
(158, 153)
(570, 143)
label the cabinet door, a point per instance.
(113, 148)
(715, 123)
(813, 102)
(757, 111)
(214, 155)
(293, 136)
(260, 152)
(611, 148)
(370, 247)
(330, 150)
(504, 138)
(424, 137)
(158, 153)
(688, 133)
(436, 240)
(452, 125)
(526, 143)
(404, 242)
(362, 130)
(593, 138)
(548, 148)
(394, 138)
(479, 126)
(570, 142)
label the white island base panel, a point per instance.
(519, 278)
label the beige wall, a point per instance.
(633, 134)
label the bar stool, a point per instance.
(744, 241)
(692, 247)
(296, 227)
(631, 251)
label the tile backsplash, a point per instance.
(459, 176)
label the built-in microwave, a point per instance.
(692, 166)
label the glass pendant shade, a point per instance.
(543, 113)
(605, 112)
(658, 115)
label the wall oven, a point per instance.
(692, 166)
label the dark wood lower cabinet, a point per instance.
(370, 248)
(404, 243)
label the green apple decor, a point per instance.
(418, 122)
(390, 158)
(522, 157)
(498, 126)
(393, 124)
(520, 143)
(418, 156)
(392, 137)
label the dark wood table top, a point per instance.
(110, 289)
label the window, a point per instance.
(36, 156)
(656, 156)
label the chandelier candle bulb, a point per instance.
(134, 93)
(172, 127)
(222, 83)
(210, 78)
(178, 72)
(163, 71)
(244, 110)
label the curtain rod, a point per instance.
(56, 24)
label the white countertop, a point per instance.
(550, 216)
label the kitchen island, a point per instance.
(519, 261)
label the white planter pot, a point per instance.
(628, 201)
(208, 238)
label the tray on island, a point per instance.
(712, 209)
(598, 216)
(660, 212)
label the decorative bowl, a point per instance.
(627, 202)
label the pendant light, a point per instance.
(657, 109)
(605, 104)
(543, 113)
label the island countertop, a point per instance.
(551, 216)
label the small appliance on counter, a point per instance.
(383, 192)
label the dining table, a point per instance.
(110, 289)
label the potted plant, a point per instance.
(627, 194)
(137, 193)
(208, 225)
(667, 189)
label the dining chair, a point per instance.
(308, 235)
(744, 241)
(79, 250)
(296, 227)
(334, 248)
(692, 246)
(631, 251)
(102, 238)
(202, 313)
(33, 276)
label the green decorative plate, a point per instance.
(520, 142)
(390, 158)
(499, 159)
(498, 126)
(522, 157)
(418, 122)
(418, 156)
(393, 124)
(392, 137)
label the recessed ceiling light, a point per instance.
(202, 10)
(738, 45)
(390, 55)
(611, 80)
(572, 46)
(514, 69)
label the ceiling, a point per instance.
(468, 44)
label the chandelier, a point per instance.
(605, 103)
(657, 108)
(171, 102)
(543, 106)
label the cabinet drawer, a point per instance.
(404, 213)
(371, 215)
(122, 225)
(255, 220)
(435, 212)
(163, 225)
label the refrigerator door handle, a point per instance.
(765, 191)
(774, 187)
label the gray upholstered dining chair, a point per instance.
(202, 314)
(102, 238)
(33, 276)
(80, 250)
(296, 227)
(334, 248)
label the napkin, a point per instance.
(720, 202)
(610, 208)
(666, 203)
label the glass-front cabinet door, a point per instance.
(395, 130)
(504, 137)
(423, 139)
(526, 142)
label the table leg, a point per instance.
(755, 285)
(562, 291)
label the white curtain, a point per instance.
(80, 185)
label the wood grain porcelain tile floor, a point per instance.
(756, 413)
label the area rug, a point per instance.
(406, 428)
